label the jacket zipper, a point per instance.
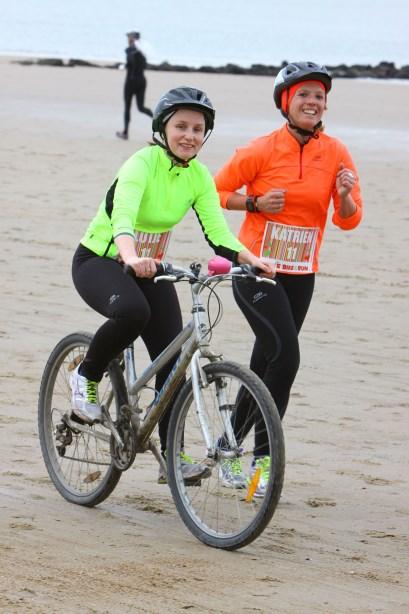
(301, 152)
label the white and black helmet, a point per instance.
(296, 72)
(182, 98)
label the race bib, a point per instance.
(292, 248)
(151, 245)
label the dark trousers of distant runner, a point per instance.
(137, 88)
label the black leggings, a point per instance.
(134, 88)
(275, 314)
(134, 308)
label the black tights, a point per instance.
(134, 308)
(275, 314)
(134, 88)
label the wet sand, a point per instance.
(338, 541)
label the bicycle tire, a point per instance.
(217, 516)
(82, 471)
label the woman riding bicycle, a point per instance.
(152, 192)
(290, 176)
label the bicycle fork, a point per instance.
(199, 382)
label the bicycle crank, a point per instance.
(123, 454)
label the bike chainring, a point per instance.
(123, 457)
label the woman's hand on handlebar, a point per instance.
(143, 267)
(266, 268)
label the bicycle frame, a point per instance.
(215, 405)
(193, 345)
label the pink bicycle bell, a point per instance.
(218, 266)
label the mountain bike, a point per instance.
(86, 462)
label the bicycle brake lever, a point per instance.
(252, 273)
(167, 277)
(266, 280)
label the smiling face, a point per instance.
(307, 105)
(185, 132)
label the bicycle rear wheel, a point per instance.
(79, 463)
(217, 513)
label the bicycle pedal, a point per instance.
(83, 421)
(77, 419)
(61, 450)
(193, 482)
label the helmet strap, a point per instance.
(301, 131)
(175, 159)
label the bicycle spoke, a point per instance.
(79, 463)
(232, 506)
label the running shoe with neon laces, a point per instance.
(85, 403)
(231, 473)
(262, 463)
(186, 459)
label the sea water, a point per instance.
(210, 32)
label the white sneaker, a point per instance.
(85, 403)
(262, 463)
(231, 473)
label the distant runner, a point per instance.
(135, 82)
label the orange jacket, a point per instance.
(307, 172)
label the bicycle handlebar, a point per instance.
(169, 272)
(163, 268)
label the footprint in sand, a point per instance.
(380, 534)
(369, 479)
(22, 526)
(146, 505)
(378, 481)
(320, 502)
(10, 419)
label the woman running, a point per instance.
(290, 176)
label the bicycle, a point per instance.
(86, 462)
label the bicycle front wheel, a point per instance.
(79, 462)
(233, 503)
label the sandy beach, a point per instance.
(339, 540)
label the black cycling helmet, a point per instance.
(296, 72)
(179, 98)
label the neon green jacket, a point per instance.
(149, 194)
